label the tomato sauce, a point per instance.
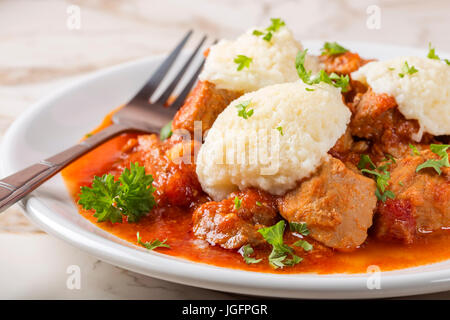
(175, 225)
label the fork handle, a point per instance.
(18, 185)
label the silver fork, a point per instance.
(137, 115)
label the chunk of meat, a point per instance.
(376, 118)
(336, 203)
(203, 104)
(347, 149)
(171, 163)
(421, 204)
(222, 223)
(344, 63)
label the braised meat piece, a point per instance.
(171, 163)
(336, 203)
(376, 118)
(233, 223)
(344, 63)
(203, 104)
(421, 204)
(347, 149)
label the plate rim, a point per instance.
(208, 276)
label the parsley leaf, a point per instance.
(304, 244)
(339, 81)
(300, 228)
(280, 129)
(440, 150)
(259, 204)
(277, 23)
(242, 110)
(242, 62)
(237, 203)
(150, 245)
(131, 195)
(166, 131)
(407, 70)
(333, 48)
(381, 175)
(257, 33)
(246, 251)
(278, 258)
(432, 53)
(101, 197)
(136, 190)
(414, 150)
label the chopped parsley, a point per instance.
(432, 54)
(381, 175)
(87, 135)
(300, 228)
(414, 150)
(400, 183)
(237, 203)
(130, 196)
(166, 131)
(280, 129)
(365, 160)
(339, 81)
(257, 33)
(440, 150)
(278, 258)
(259, 204)
(246, 251)
(242, 110)
(151, 245)
(406, 69)
(333, 48)
(268, 36)
(276, 24)
(304, 244)
(242, 62)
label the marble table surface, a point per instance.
(43, 49)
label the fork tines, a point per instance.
(152, 85)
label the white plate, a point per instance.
(62, 119)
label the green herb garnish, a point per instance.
(406, 69)
(299, 227)
(381, 175)
(440, 150)
(365, 160)
(414, 150)
(246, 251)
(304, 244)
(280, 129)
(237, 203)
(333, 48)
(151, 245)
(432, 53)
(166, 131)
(242, 110)
(274, 27)
(338, 81)
(242, 62)
(130, 196)
(278, 258)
